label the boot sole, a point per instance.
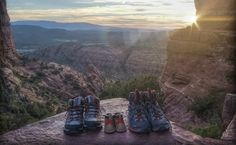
(161, 129)
(121, 131)
(140, 130)
(92, 126)
(109, 132)
(72, 132)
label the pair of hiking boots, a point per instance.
(83, 113)
(114, 123)
(145, 114)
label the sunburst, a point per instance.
(193, 19)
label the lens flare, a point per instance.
(193, 19)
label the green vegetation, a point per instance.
(18, 112)
(213, 131)
(121, 89)
(209, 109)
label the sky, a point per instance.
(122, 13)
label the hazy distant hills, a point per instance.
(70, 26)
(30, 35)
(66, 26)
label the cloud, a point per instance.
(136, 13)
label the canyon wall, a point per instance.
(144, 58)
(7, 46)
(8, 54)
(199, 59)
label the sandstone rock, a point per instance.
(230, 132)
(95, 78)
(41, 80)
(229, 109)
(7, 46)
(7, 50)
(11, 81)
(50, 131)
(198, 60)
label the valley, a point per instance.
(119, 53)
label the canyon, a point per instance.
(118, 53)
(145, 57)
(200, 60)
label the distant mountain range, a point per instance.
(57, 25)
(68, 26)
(30, 35)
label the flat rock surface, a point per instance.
(50, 131)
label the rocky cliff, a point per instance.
(7, 46)
(7, 50)
(199, 59)
(31, 90)
(229, 117)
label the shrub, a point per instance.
(37, 110)
(212, 131)
(37, 78)
(122, 88)
(10, 121)
(17, 113)
(209, 109)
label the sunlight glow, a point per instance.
(193, 19)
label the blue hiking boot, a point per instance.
(92, 116)
(74, 120)
(156, 116)
(137, 115)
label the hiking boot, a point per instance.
(74, 120)
(92, 118)
(109, 126)
(156, 116)
(119, 122)
(137, 118)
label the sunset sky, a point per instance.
(122, 13)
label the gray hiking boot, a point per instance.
(137, 114)
(74, 120)
(92, 117)
(156, 116)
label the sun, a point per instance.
(193, 19)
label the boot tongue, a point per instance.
(136, 97)
(76, 102)
(151, 95)
(91, 100)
